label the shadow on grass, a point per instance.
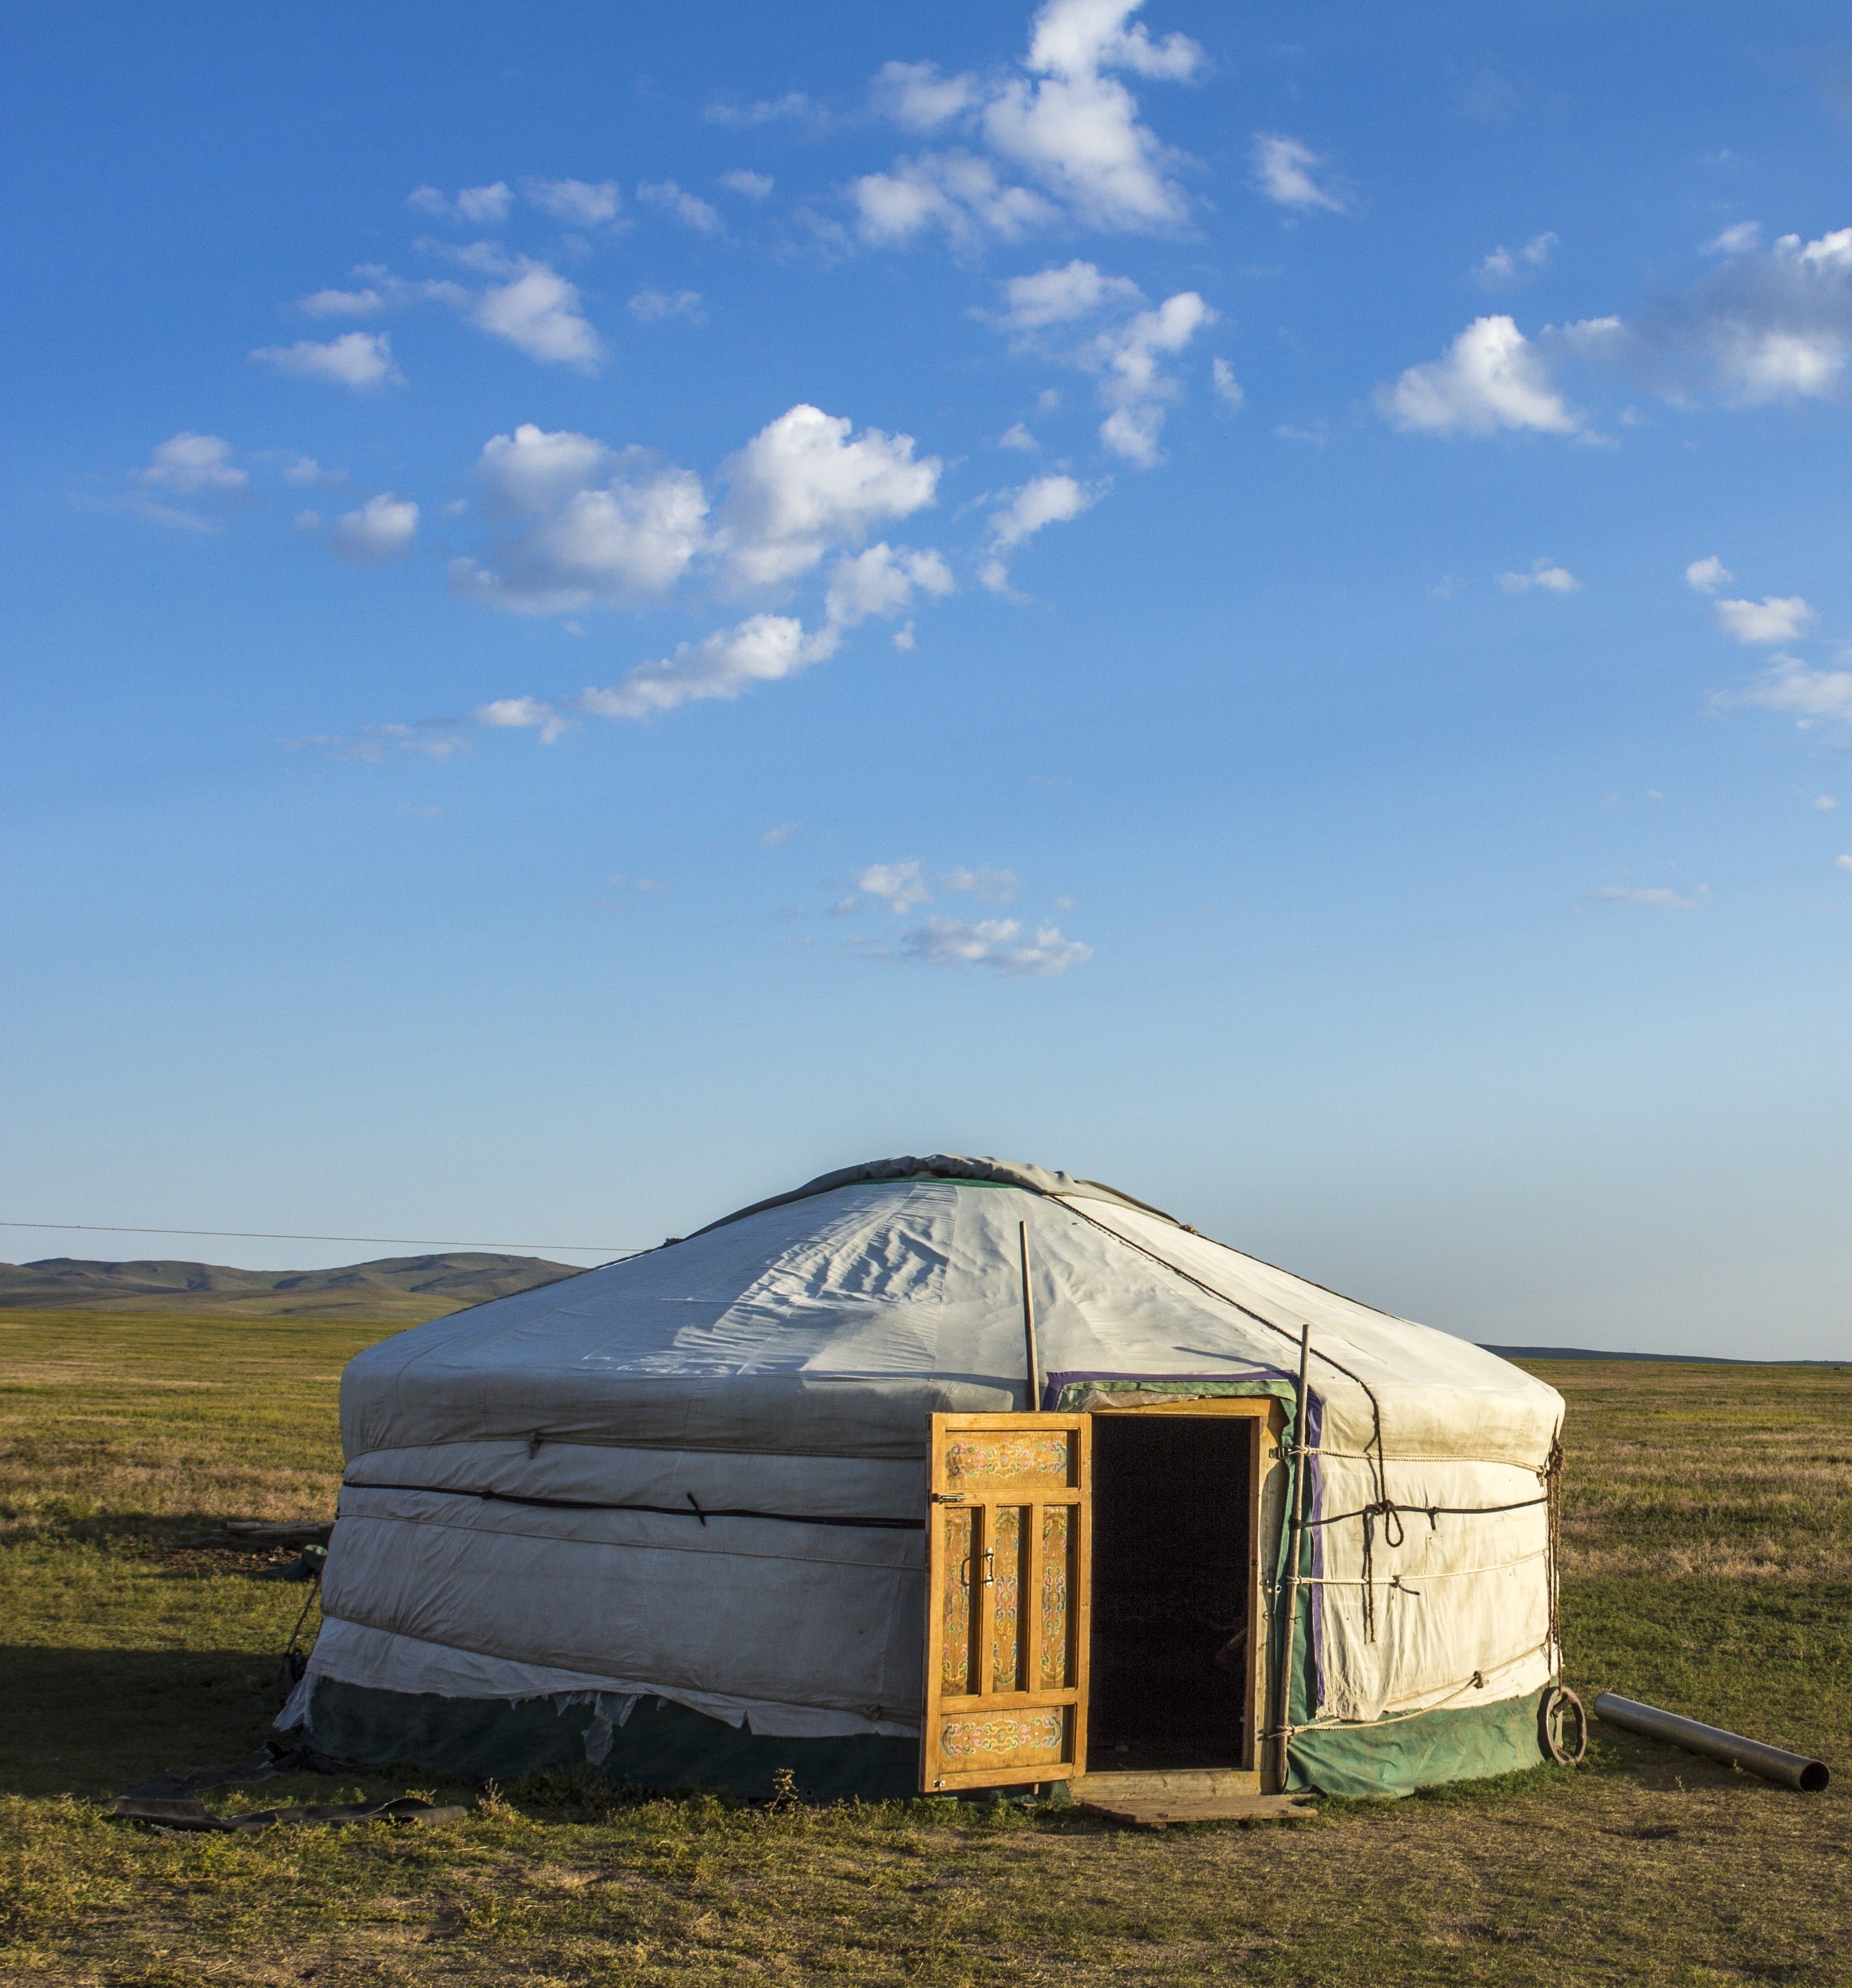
(96, 1722)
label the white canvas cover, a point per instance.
(784, 1363)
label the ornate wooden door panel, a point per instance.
(1006, 1612)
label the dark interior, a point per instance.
(1170, 1607)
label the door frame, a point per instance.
(1270, 1420)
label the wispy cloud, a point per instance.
(479, 205)
(1501, 269)
(1789, 686)
(579, 201)
(1544, 574)
(690, 209)
(999, 944)
(1660, 900)
(1287, 171)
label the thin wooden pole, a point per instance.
(1301, 1450)
(1032, 1364)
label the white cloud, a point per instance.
(1766, 621)
(1502, 268)
(1227, 386)
(1842, 862)
(914, 94)
(993, 942)
(773, 836)
(343, 303)
(690, 209)
(382, 291)
(955, 193)
(1061, 296)
(881, 581)
(900, 886)
(582, 204)
(524, 714)
(1073, 126)
(1705, 576)
(1063, 120)
(651, 306)
(1766, 324)
(1128, 354)
(538, 311)
(794, 104)
(1048, 500)
(582, 523)
(189, 464)
(1825, 804)
(1552, 578)
(1133, 384)
(1665, 900)
(1788, 685)
(1017, 436)
(751, 185)
(762, 649)
(382, 528)
(478, 204)
(1283, 170)
(357, 359)
(1491, 377)
(802, 485)
(306, 470)
(1738, 239)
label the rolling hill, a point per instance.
(398, 1288)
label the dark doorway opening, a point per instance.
(1172, 1510)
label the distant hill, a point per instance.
(1673, 1359)
(408, 1288)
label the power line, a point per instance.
(274, 1235)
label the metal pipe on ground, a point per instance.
(1773, 1763)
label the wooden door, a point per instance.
(1006, 1612)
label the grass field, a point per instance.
(1708, 1566)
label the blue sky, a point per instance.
(610, 609)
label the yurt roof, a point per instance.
(831, 1319)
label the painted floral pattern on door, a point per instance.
(956, 1669)
(1006, 1664)
(1003, 1732)
(1009, 1459)
(1056, 1660)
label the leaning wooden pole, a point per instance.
(1300, 1453)
(1031, 1362)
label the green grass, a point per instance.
(1708, 1566)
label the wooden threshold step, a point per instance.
(1156, 1800)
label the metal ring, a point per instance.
(1560, 1704)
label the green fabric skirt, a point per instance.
(659, 1746)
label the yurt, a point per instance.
(939, 1474)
